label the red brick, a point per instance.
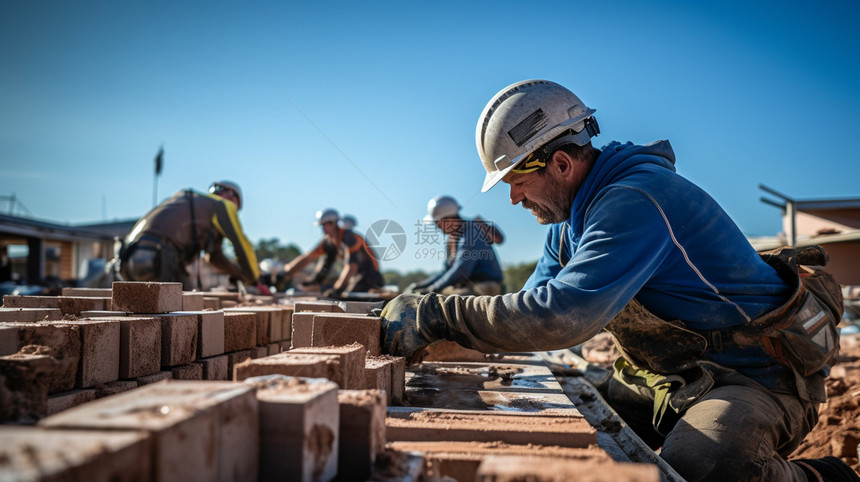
(240, 331)
(377, 375)
(65, 400)
(286, 323)
(200, 430)
(295, 365)
(511, 468)
(25, 390)
(192, 301)
(8, 339)
(210, 333)
(235, 358)
(345, 329)
(74, 305)
(192, 371)
(274, 348)
(121, 456)
(112, 388)
(211, 303)
(29, 315)
(214, 368)
(269, 322)
(362, 432)
(396, 371)
(317, 307)
(19, 301)
(139, 346)
(62, 342)
(88, 292)
(299, 430)
(178, 338)
(259, 352)
(351, 362)
(100, 351)
(146, 297)
(302, 330)
(154, 378)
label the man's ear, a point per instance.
(563, 164)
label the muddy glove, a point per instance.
(411, 322)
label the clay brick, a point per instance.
(210, 333)
(88, 292)
(29, 315)
(8, 339)
(398, 379)
(200, 430)
(100, 351)
(62, 342)
(228, 304)
(112, 388)
(178, 338)
(214, 368)
(289, 364)
(274, 348)
(299, 430)
(240, 331)
(511, 468)
(211, 303)
(302, 330)
(362, 432)
(359, 307)
(259, 352)
(146, 297)
(154, 378)
(192, 301)
(121, 456)
(344, 329)
(105, 314)
(65, 400)
(74, 305)
(235, 358)
(445, 350)
(284, 345)
(19, 301)
(25, 390)
(286, 323)
(351, 362)
(269, 322)
(419, 424)
(377, 375)
(317, 307)
(192, 371)
(139, 345)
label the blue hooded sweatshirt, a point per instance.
(475, 260)
(636, 229)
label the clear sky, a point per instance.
(370, 107)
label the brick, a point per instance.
(421, 424)
(359, 307)
(100, 351)
(214, 368)
(210, 333)
(178, 338)
(259, 352)
(8, 339)
(286, 323)
(105, 314)
(29, 315)
(511, 468)
(192, 301)
(121, 456)
(362, 432)
(302, 330)
(88, 292)
(274, 348)
(74, 305)
(25, 386)
(445, 350)
(200, 430)
(299, 429)
(377, 375)
(112, 388)
(192, 371)
(139, 345)
(398, 379)
(240, 331)
(228, 304)
(65, 400)
(60, 341)
(351, 362)
(211, 303)
(284, 345)
(235, 358)
(269, 322)
(154, 378)
(20, 301)
(345, 329)
(289, 364)
(146, 297)
(317, 307)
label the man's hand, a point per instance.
(401, 334)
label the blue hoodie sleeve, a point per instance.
(549, 265)
(614, 259)
(464, 262)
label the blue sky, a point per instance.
(371, 107)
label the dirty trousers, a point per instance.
(733, 433)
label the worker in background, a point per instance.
(171, 236)
(637, 250)
(471, 265)
(348, 222)
(360, 272)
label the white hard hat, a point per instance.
(441, 207)
(524, 116)
(348, 221)
(326, 215)
(217, 186)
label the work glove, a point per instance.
(411, 322)
(410, 289)
(263, 289)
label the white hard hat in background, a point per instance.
(441, 207)
(524, 116)
(217, 186)
(326, 215)
(348, 221)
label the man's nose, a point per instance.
(516, 195)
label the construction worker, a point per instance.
(471, 265)
(348, 222)
(167, 239)
(638, 250)
(360, 272)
